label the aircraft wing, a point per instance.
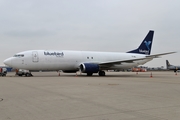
(109, 63)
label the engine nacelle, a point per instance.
(89, 68)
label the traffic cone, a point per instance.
(151, 75)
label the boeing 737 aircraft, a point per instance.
(86, 61)
(172, 67)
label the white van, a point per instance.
(3, 71)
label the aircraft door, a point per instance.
(35, 57)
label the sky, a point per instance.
(90, 25)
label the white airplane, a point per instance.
(86, 61)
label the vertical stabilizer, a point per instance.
(167, 63)
(145, 46)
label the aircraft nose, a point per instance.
(8, 62)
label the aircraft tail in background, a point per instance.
(167, 63)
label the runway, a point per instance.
(118, 96)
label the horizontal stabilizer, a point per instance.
(158, 55)
(132, 60)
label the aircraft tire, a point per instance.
(89, 74)
(102, 73)
(28, 75)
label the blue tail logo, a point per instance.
(145, 46)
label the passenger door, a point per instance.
(35, 57)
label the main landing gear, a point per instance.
(101, 73)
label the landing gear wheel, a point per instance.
(102, 73)
(28, 75)
(3, 75)
(89, 74)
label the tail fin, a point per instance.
(145, 46)
(167, 63)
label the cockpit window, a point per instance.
(18, 55)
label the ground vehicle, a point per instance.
(3, 71)
(22, 72)
(138, 69)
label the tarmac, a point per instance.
(117, 96)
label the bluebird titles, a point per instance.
(57, 54)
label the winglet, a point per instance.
(145, 46)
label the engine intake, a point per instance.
(89, 68)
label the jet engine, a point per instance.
(89, 68)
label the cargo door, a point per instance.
(35, 57)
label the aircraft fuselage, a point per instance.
(71, 60)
